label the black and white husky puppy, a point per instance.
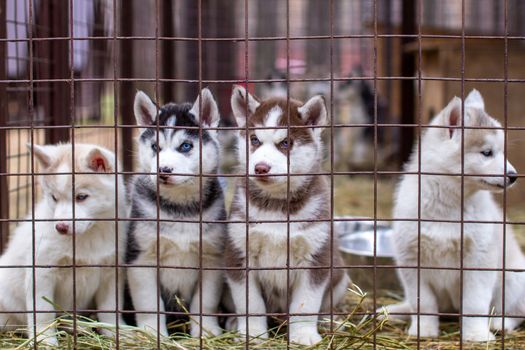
(306, 198)
(174, 186)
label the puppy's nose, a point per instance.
(512, 176)
(62, 228)
(262, 169)
(165, 170)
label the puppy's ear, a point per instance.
(314, 112)
(475, 100)
(206, 110)
(43, 154)
(243, 104)
(452, 116)
(98, 162)
(145, 110)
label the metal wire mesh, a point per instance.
(70, 70)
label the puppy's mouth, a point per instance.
(165, 181)
(171, 181)
(264, 179)
(497, 186)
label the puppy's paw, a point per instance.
(210, 328)
(478, 335)
(305, 336)
(47, 340)
(394, 312)
(163, 331)
(255, 334)
(510, 324)
(426, 330)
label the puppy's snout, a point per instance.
(513, 176)
(62, 228)
(165, 171)
(262, 169)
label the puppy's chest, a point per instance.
(87, 281)
(442, 244)
(182, 235)
(266, 252)
(273, 243)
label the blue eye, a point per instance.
(185, 147)
(81, 197)
(255, 141)
(284, 144)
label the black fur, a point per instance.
(183, 118)
(146, 190)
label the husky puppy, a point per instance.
(174, 186)
(310, 242)
(440, 242)
(93, 197)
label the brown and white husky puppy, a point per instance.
(311, 243)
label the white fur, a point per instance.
(144, 108)
(475, 100)
(440, 242)
(268, 241)
(211, 120)
(243, 104)
(179, 241)
(303, 157)
(185, 165)
(179, 246)
(95, 244)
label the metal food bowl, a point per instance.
(356, 242)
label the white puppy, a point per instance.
(50, 243)
(440, 240)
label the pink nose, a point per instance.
(62, 228)
(262, 169)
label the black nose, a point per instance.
(164, 170)
(512, 176)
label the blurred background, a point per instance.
(394, 63)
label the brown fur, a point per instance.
(323, 258)
(301, 135)
(300, 251)
(298, 199)
(233, 258)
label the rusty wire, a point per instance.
(64, 125)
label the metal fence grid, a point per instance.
(70, 70)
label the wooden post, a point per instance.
(408, 69)
(4, 187)
(224, 58)
(168, 50)
(190, 58)
(58, 11)
(126, 91)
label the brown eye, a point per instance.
(54, 198)
(81, 197)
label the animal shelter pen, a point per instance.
(70, 69)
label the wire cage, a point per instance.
(70, 70)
